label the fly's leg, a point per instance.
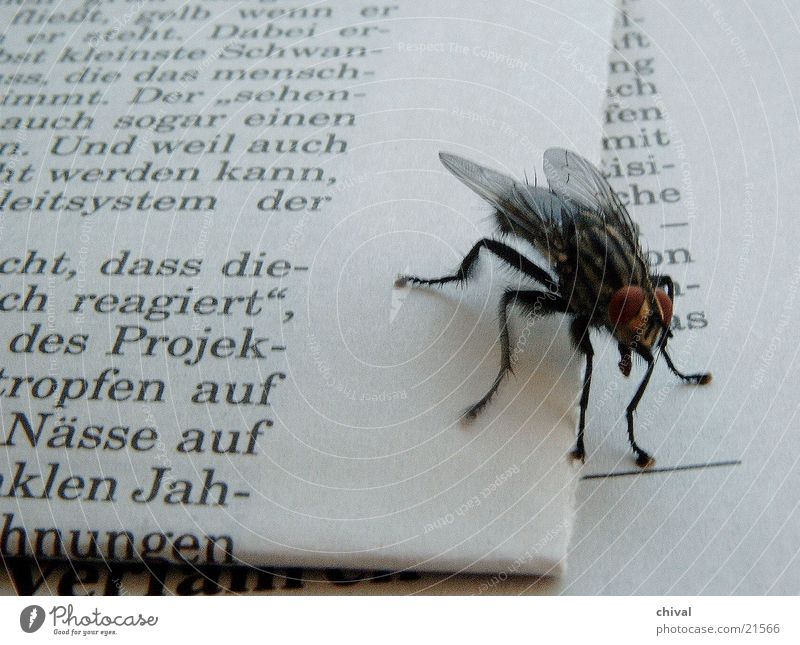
(666, 282)
(695, 379)
(505, 358)
(580, 336)
(537, 303)
(510, 256)
(643, 460)
(625, 362)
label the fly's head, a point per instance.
(638, 319)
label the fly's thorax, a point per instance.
(600, 261)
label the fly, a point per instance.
(596, 271)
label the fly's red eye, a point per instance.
(666, 306)
(625, 304)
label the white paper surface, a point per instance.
(358, 457)
(726, 80)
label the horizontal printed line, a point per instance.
(666, 469)
(675, 224)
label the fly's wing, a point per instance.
(532, 213)
(581, 183)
